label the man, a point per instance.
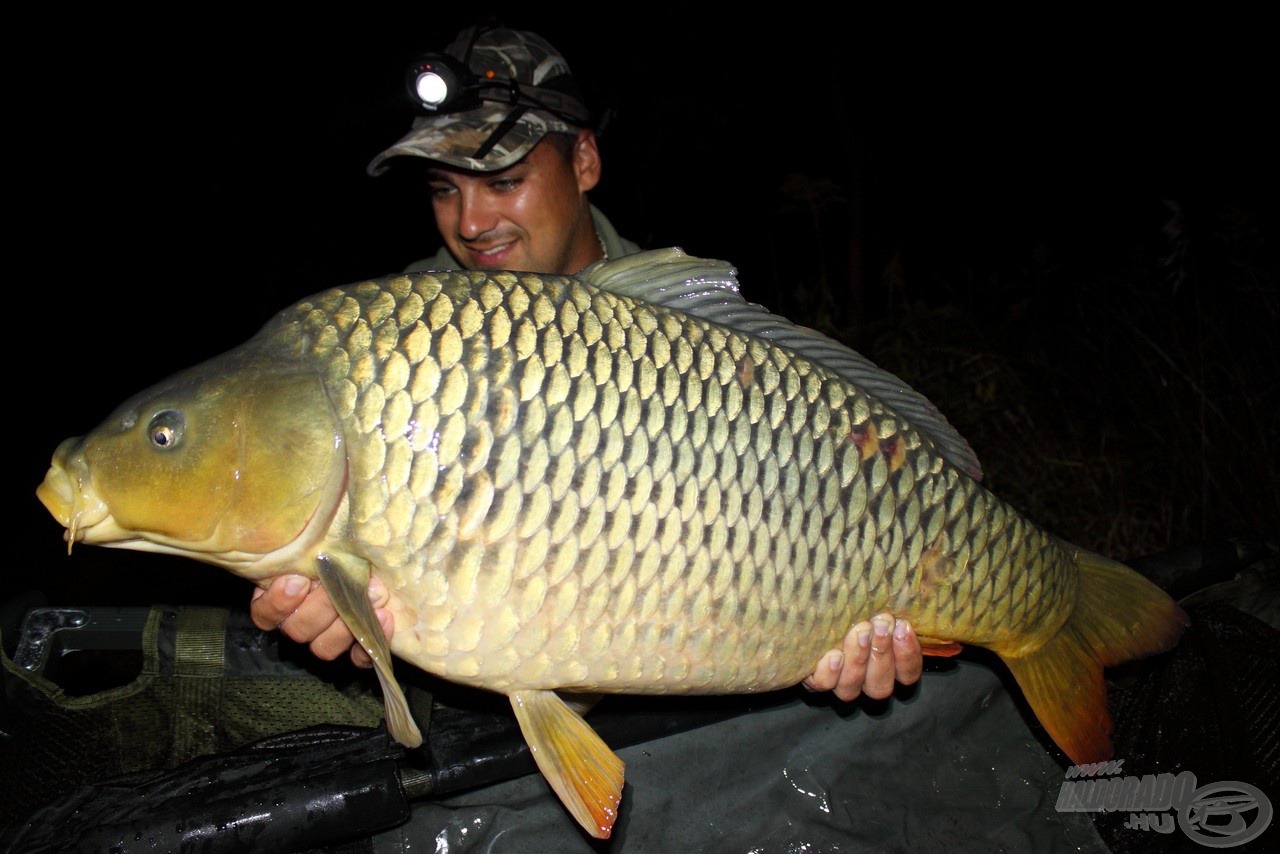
(509, 172)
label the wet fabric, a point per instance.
(289, 793)
(952, 766)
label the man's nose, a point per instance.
(475, 216)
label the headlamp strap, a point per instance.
(500, 131)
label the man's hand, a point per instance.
(302, 610)
(874, 656)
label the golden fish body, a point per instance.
(567, 489)
(631, 481)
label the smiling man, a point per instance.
(491, 220)
(511, 157)
(498, 220)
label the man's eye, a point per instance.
(440, 192)
(505, 185)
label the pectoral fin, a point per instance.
(346, 580)
(580, 767)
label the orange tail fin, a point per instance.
(1119, 616)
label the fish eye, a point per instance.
(165, 429)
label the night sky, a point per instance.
(172, 192)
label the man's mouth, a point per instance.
(491, 253)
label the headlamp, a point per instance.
(441, 83)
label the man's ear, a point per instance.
(586, 160)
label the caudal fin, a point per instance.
(1119, 616)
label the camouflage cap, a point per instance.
(460, 138)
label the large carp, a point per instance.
(628, 481)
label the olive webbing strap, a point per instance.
(198, 668)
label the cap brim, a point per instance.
(457, 138)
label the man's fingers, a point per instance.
(876, 654)
(305, 613)
(878, 683)
(332, 641)
(271, 606)
(857, 652)
(827, 672)
(907, 658)
(314, 617)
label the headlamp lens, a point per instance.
(432, 89)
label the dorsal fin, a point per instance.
(708, 289)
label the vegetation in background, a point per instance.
(1124, 394)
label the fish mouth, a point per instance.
(67, 493)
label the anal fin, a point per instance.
(580, 767)
(346, 580)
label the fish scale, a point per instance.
(630, 480)
(785, 411)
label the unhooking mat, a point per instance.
(951, 768)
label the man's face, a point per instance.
(531, 216)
